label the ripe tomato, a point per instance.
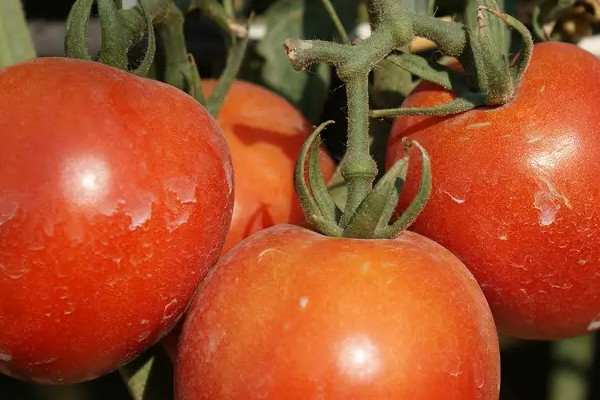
(516, 193)
(116, 194)
(291, 314)
(265, 134)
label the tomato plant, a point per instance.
(373, 319)
(116, 194)
(516, 193)
(265, 134)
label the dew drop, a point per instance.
(5, 356)
(14, 271)
(169, 309)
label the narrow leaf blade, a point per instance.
(419, 201)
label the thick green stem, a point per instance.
(15, 41)
(359, 169)
(450, 37)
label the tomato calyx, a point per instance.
(367, 209)
(371, 218)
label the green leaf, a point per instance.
(150, 376)
(15, 41)
(285, 19)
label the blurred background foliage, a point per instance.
(531, 370)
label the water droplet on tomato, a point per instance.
(14, 271)
(5, 355)
(184, 189)
(8, 209)
(170, 309)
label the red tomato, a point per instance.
(291, 314)
(265, 134)
(516, 193)
(116, 194)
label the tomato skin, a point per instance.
(516, 193)
(116, 194)
(265, 133)
(373, 319)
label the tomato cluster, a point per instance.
(118, 196)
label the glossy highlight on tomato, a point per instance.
(292, 314)
(116, 193)
(265, 133)
(516, 193)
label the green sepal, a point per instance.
(116, 37)
(114, 47)
(146, 64)
(456, 106)
(496, 30)
(375, 211)
(76, 30)
(305, 196)
(441, 75)
(317, 185)
(419, 201)
(489, 57)
(518, 67)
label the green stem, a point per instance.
(228, 6)
(217, 13)
(229, 74)
(336, 21)
(15, 40)
(360, 169)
